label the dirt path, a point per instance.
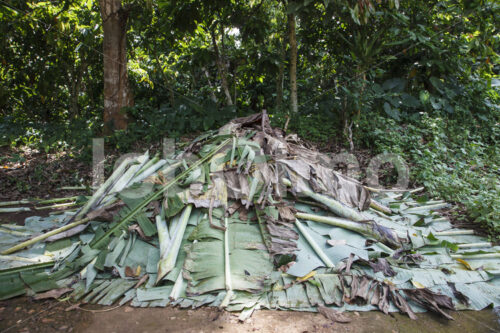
(24, 315)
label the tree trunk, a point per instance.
(350, 119)
(212, 94)
(281, 76)
(116, 89)
(293, 63)
(194, 82)
(76, 84)
(235, 81)
(221, 67)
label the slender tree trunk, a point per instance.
(235, 82)
(281, 76)
(73, 99)
(351, 118)
(75, 92)
(221, 67)
(76, 87)
(194, 82)
(212, 94)
(116, 89)
(293, 63)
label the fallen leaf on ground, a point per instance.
(73, 307)
(54, 293)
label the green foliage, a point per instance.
(454, 161)
(49, 67)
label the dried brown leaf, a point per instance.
(431, 300)
(382, 265)
(287, 213)
(73, 307)
(141, 281)
(401, 303)
(137, 228)
(105, 214)
(54, 293)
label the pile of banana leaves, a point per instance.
(247, 218)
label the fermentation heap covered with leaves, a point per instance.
(246, 218)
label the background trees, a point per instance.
(353, 57)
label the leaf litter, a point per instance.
(247, 218)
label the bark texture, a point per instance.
(293, 63)
(281, 75)
(212, 94)
(75, 80)
(221, 67)
(117, 93)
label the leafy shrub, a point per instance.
(454, 161)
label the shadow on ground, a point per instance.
(24, 315)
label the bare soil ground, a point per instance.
(26, 173)
(24, 315)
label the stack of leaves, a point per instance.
(246, 218)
